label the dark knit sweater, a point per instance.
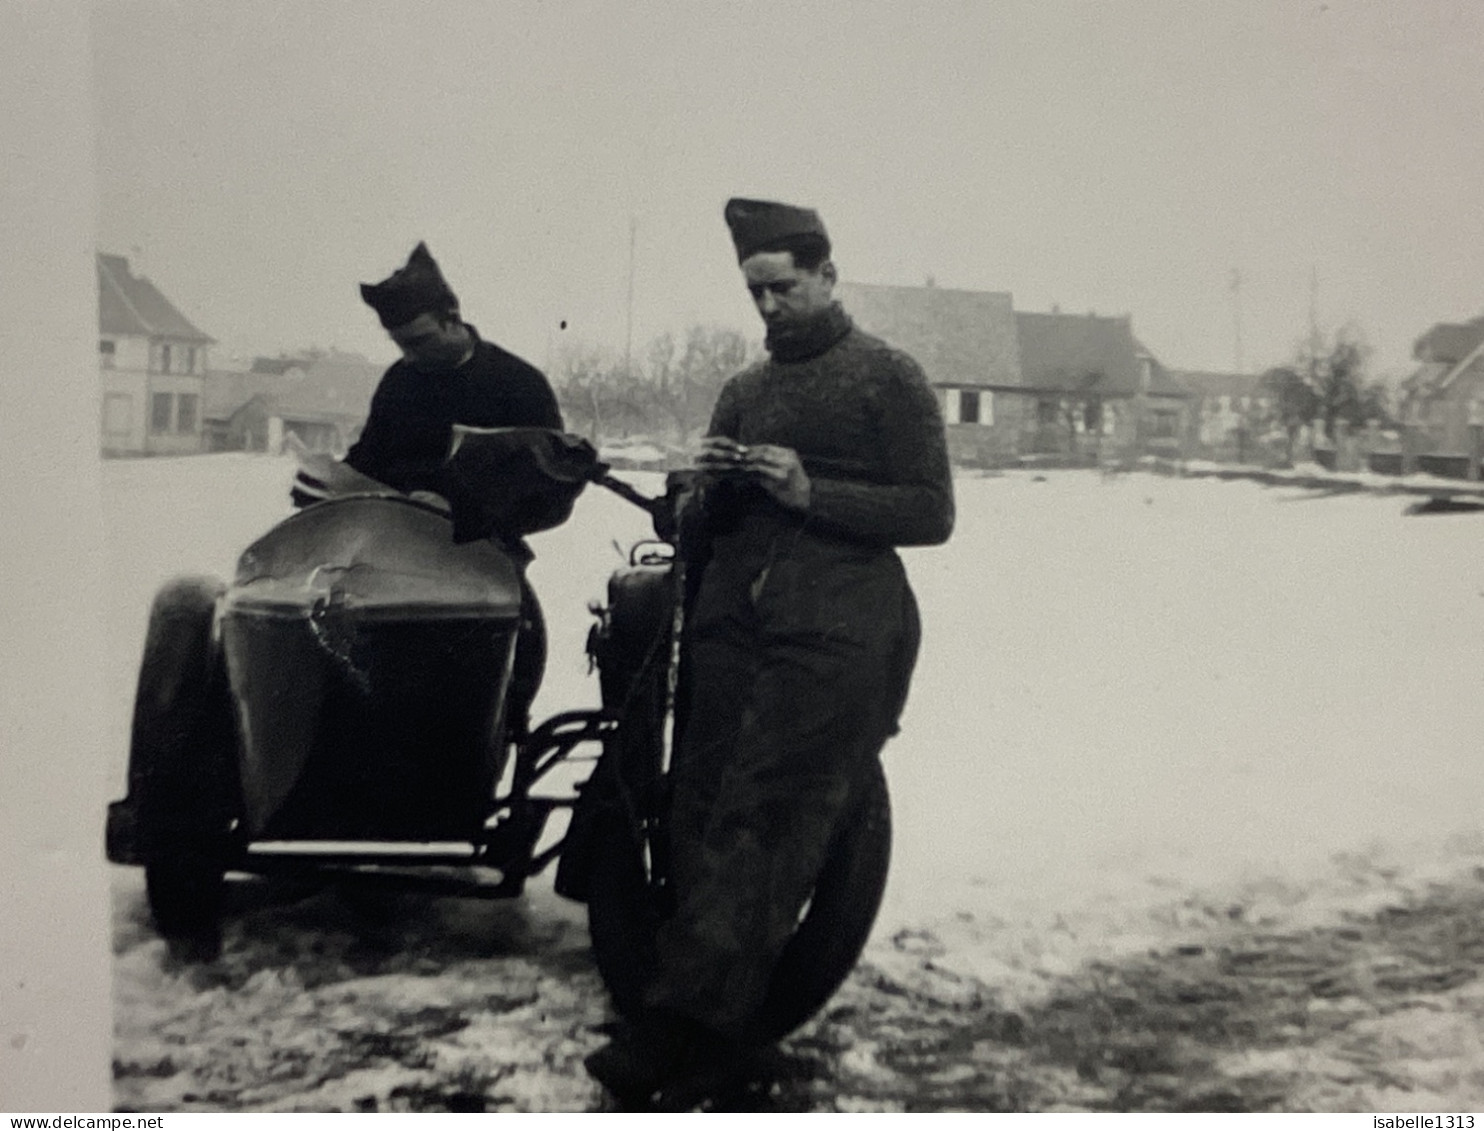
(866, 426)
(406, 437)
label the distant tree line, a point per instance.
(667, 396)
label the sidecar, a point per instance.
(350, 706)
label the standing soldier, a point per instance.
(799, 646)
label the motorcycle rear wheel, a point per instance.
(625, 904)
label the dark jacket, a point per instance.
(406, 437)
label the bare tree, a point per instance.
(1296, 403)
(581, 387)
(1336, 372)
(1326, 385)
(710, 357)
(672, 397)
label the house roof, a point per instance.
(1470, 362)
(334, 386)
(1162, 382)
(1204, 383)
(1471, 366)
(958, 337)
(1449, 342)
(130, 304)
(1079, 353)
(279, 365)
(1447, 351)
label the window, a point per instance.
(1092, 414)
(185, 412)
(1048, 412)
(968, 406)
(1164, 425)
(106, 352)
(165, 359)
(118, 414)
(159, 412)
(190, 365)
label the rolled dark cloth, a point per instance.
(307, 489)
(510, 482)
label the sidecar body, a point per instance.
(368, 659)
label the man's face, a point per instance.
(785, 294)
(431, 342)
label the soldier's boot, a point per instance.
(657, 1050)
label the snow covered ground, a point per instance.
(1143, 705)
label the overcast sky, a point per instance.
(258, 159)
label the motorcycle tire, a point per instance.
(182, 767)
(624, 914)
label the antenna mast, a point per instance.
(1313, 317)
(628, 349)
(1237, 315)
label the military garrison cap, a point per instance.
(417, 288)
(758, 224)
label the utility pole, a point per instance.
(1314, 342)
(628, 349)
(1313, 319)
(1237, 314)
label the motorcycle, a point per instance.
(351, 709)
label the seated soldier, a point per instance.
(448, 375)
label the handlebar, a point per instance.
(626, 491)
(665, 511)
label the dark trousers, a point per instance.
(798, 654)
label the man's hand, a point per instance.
(721, 455)
(774, 468)
(779, 472)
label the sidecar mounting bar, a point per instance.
(626, 491)
(555, 739)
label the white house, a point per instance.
(151, 363)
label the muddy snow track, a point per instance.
(328, 1002)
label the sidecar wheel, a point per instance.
(623, 916)
(182, 768)
(185, 898)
